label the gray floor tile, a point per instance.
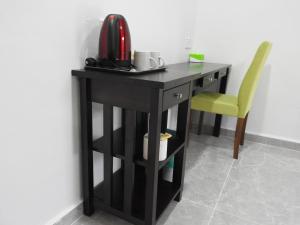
(186, 212)
(221, 218)
(177, 214)
(221, 142)
(224, 142)
(84, 220)
(204, 181)
(282, 157)
(100, 218)
(107, 219)
(194, 154)
(263, 188)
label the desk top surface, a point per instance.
(174, 75)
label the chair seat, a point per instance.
(216, 103)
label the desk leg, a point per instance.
(153, 153)
(129, 168)
(182, 132)
(108, 152)
(218, 119)
(86, 143)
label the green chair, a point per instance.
(237, 106)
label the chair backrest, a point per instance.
(250, 81)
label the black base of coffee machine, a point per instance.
(109, 64)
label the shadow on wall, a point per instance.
(90, 44)
(89, 48)
(258, 109)
(259, 104)
(75, 124)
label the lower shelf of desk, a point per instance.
(167, 191)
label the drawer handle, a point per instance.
(178, 95)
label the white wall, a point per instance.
(230, 31)
(40, 42)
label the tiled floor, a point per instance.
(261, 188)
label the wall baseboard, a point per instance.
(70, 217)
(252, 137)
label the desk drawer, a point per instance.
(175, 96)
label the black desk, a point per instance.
(137, 192)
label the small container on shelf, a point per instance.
(168, 170)
(163, 147)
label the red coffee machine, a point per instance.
(115, 43)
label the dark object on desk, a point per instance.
(115, 43)
(137, 192)
(121, 70)
(91, 62)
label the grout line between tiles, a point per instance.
(197, 203)
(76, 220)
(221, 192)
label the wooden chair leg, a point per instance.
(244, 129)
(238, 135)
(200, 122)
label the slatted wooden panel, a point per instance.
(129, 167)
(182, 132)
(153, 153)
(86, 142)
(108, 153)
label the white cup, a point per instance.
(163, 147)
(144, 61)
(160, 61)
